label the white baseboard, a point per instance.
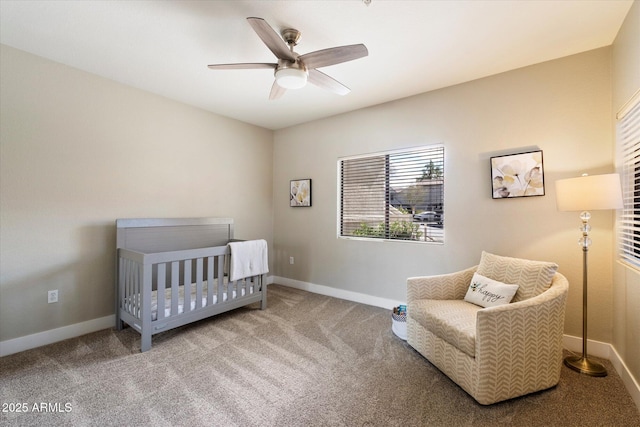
(595, 348)
(39, 339)
(338, 293)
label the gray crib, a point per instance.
(171, 272)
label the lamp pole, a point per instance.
(581, 363)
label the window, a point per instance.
(628, 141)
(397, 195)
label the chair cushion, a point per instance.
(532, 277)
(454, 321)
(487, 292)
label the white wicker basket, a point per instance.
(399, 325)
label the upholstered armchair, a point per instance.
(498, 352)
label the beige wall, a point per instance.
(626, 285)
(79, 151)
(562, 107)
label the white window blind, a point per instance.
(396, 195)
(628, 140)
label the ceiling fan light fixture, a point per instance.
(291, 78)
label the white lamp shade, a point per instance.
(590, 192)
(291, 78)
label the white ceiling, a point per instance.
(414, 46)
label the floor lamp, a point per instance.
(585, 193)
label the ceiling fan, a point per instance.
(292, 71)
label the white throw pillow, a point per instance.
(487, 292)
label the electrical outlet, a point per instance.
(291, 260)
(52, 296)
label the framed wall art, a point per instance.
(517, 175)
(300, 192)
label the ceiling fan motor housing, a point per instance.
(291, 36)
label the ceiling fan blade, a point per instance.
(333, 55)
(323, 81)
(273, 41)
(276, 91)
(246, 66)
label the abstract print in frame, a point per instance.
(300, 193)
(517, 175)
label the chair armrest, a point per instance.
(442, 287)
(522, 337)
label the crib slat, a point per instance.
(210, 280)
(186, 305)
(127, 282)
(129, 279)
(220, 278)
(136, 289)
(198, 283)
(230, 285)
(240, 284)
(161, 289)
(175, 287)
(135, 292)
(145, 292)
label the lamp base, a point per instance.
(585, 366)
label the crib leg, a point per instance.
(119, 322)
(145, 342)
(263, 288)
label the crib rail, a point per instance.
(160, 291)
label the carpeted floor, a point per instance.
(308, 360)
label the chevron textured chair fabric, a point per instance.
(494, 353)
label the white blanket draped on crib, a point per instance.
(248, 258)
